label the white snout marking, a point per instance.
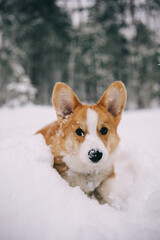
(92, 140)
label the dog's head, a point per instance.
(88, 133)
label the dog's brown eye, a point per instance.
(79, 132)
(104, 130)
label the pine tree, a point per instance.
(40, 33)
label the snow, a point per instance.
(36, 203)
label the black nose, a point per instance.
(95, 155)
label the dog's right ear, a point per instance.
(114, 99)
(64, 100)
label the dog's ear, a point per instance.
(114, 98)
(64, 100)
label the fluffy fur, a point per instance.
(73, 152)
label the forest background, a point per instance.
(87, 44)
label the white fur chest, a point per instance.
(87, 182)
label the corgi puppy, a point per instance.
(84, 137)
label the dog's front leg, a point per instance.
(109, 190)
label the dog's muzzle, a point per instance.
(95, 155)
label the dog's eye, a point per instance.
(79, 132)
(104, 130)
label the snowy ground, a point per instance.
(35, 203)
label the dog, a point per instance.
(84, 137)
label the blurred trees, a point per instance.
(117, 43)
(113, 40)
(35, 35)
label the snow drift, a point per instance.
(36, 203)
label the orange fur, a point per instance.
(63, 140)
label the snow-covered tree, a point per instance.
(20, 90)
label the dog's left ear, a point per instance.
(114, 98)
(64, 100)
